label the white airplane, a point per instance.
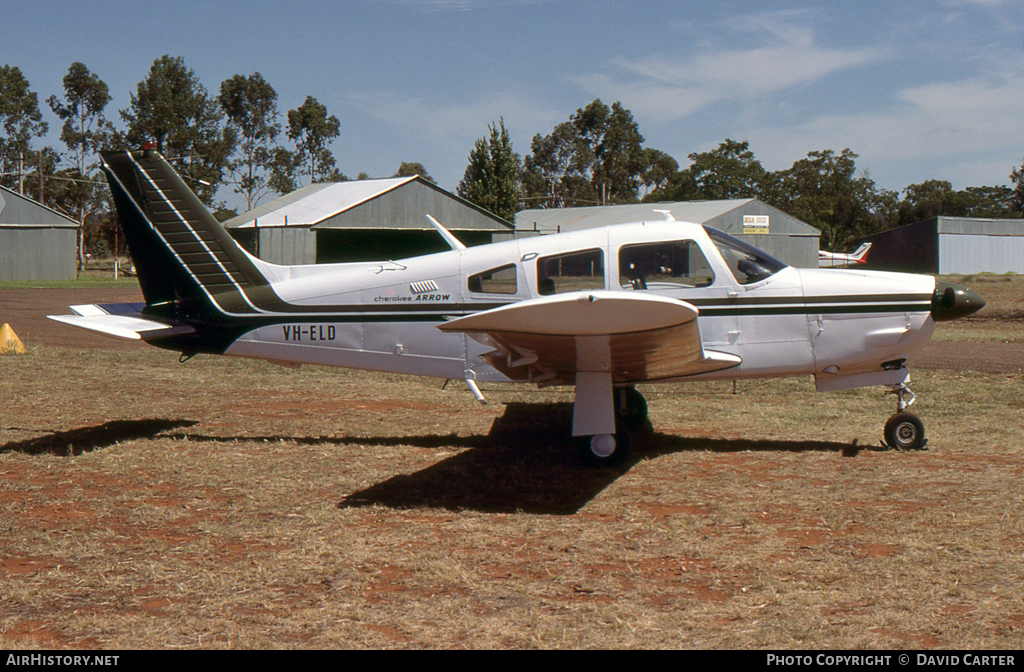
(840, 260)
(600, 309)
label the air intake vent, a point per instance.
(424, 287)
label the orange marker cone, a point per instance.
(9, 341)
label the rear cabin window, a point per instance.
(667, 265)
(501, 280)
(573, 272)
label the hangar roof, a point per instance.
(21, 211)
(337, 205)
(701, 212)
(311, 205)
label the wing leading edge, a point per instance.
(634, 337)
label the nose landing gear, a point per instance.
(904, 431)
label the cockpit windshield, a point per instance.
(747, 263)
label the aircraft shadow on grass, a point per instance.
(526, 463)
(87, 439)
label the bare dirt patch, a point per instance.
(26, 310)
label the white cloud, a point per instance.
(967, 131)
(459, 123)
(668, 88)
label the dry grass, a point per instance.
(225, 503)
(1002, 318)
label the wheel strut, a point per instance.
(904, 396)
(904, 431)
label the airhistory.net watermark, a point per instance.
(51, 660)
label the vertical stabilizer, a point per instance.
(186, 262)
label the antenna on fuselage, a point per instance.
(452, 241)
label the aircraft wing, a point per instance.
(637, 337)
(121, 320)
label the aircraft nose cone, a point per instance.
(953, 301)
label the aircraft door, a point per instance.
(488, 279)
(680, 269)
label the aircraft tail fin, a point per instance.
(187, 263)
(861, 253)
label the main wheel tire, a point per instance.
(904, 431)
(603, 450)
(631, 408)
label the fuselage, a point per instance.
(847, 328)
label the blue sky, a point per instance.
(919, 89)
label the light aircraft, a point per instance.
(601, 309)
(840, 260)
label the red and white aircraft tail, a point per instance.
(839, 260)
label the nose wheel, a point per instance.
(904, 431)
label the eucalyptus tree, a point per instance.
(312, 130)
(410, 168)
(172, 110)
(825, 191)
(728, 171)
(594, 157)
(250, 104)
(20, 122)
(84, 131)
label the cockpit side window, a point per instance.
(664, 265)
(572, 272)
(501, 280)
(747, 263)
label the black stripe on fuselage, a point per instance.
(707, 307)
(210, 337)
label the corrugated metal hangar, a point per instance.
(36, 243)
(749, 219)
(950, 245)
(363, 220)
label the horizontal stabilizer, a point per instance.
(121, 320)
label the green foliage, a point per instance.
(410, 168)
(1017, 204)
(84, 131)
(934, 198)
(825, 191)
(312, 130)
(595, 157)
(172, 110)
(20, 121)
(658, 170)
(730, 171)
(494, 177)
(250, 104)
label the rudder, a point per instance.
(186, 262)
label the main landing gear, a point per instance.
(904, 431)
(611, 450)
